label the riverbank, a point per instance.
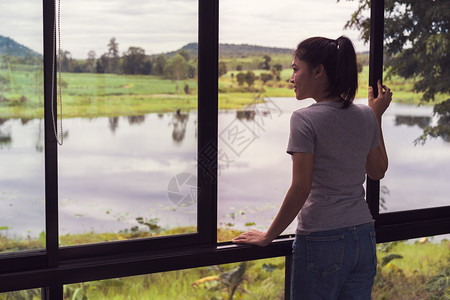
(88, 95)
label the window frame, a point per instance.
(207, 178)
(408, 223)
(205, 236)
(53, 267)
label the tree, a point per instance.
(266, 77)
(113, 56)
(276, 71)
(176, 67)
(222, 68)
(360, 66)
(185, 54)
(186, 89)
(113, 48)
(240, 77)
(102, 64)
(442, 128)
(265, 65)
(79, 66)
(159, 64)
(191, 70)
(250, 78)
(4, 84)
(91, 61)
(417, 46)
(134, 61)
(65, 59)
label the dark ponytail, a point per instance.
(338, 58)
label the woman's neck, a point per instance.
(327, 98)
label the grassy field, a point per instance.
(99, 95)
(406, 270)
(252, 62)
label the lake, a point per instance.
(115, 170)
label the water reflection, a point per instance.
(421, 121)
(179, 123)
(248, 115)
(442, 126)
(39, 144)
(136, 119)
(21, 180)
(7, 127)
(113, 124)
(5, 139)
(124, 170)
(5, 134)
(25, 120)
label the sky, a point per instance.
(166, 25)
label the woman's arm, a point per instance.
(377, 160)
(295, 198)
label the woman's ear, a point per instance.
(319, 71)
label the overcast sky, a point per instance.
(166, 25)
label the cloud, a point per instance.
(156, 26)
(22, 21)
(166, 25)
(284, 23)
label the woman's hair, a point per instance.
(338, 58)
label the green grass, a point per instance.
(410, 276)
(402, 278)
(22, 83)
(82, 85)
(252, 62)
(258, 282)
(110, 95)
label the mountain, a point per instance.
(232, 50)
(10, 47)
(245, 50)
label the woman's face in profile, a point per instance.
(302, 79)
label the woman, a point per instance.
(333, 144)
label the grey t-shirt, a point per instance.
(340, 139)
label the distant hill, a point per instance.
(245, 50)
(10, 47)
(232, 50)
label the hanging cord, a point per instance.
(54, 58)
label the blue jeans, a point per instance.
(334, 264)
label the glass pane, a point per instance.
(418, 171)
(414, 269)
(34, 294)
(416, 128)
(22, 207)
(256, 101)
(128, 162)
(260, 279)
